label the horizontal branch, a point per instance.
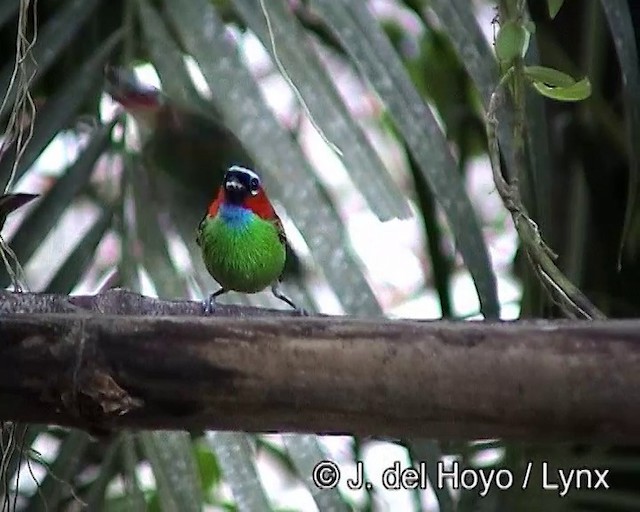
(120, 360)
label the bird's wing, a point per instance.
(212, 211)
(278, 223)
(281, 235)
(200, 229)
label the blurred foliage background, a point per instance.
(366, 120)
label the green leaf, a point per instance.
(174, 468)
(512, 41)
(295, 53)
(11, 202)
(59, 479)
(577, 92)
(237, 95)
(305, 453)
(236, 459)
(624, 38)
(549, 76)
(376, 60)
(52, 39)
(554, 7)
(77, 263)
(59, 110)
(210, 472)
(35, 227)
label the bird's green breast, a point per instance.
(245, 257)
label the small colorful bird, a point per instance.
(178, 139)
(242, 238)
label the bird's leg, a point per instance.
(275, 289)
(209, 303)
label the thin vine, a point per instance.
(562, 291)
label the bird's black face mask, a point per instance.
(240, 182)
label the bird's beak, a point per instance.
(233, 185)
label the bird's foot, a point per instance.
(209, 305)
(275, 289)
(302, 312)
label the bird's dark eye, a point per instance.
(254, 185)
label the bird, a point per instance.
(242, 239)
(178, 139)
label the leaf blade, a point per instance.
(429, 452)
(153, 240)
(237, 96)
(236, 459)
(619, 20)
(549, 76)
(165, 56)
(133, 498)
(554, 7)
(60, 109)
(579, 91)
(95, 496)
(537, 193)
(44, 216)
(175, 470)
(11, 202)
(512, 41)
(478, 58)
(61, 471)
(74, 267)
(305, 452)
(369, 48)
(53, 38)
(310, 77)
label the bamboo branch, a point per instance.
(119, 360)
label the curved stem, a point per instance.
(568, 297)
